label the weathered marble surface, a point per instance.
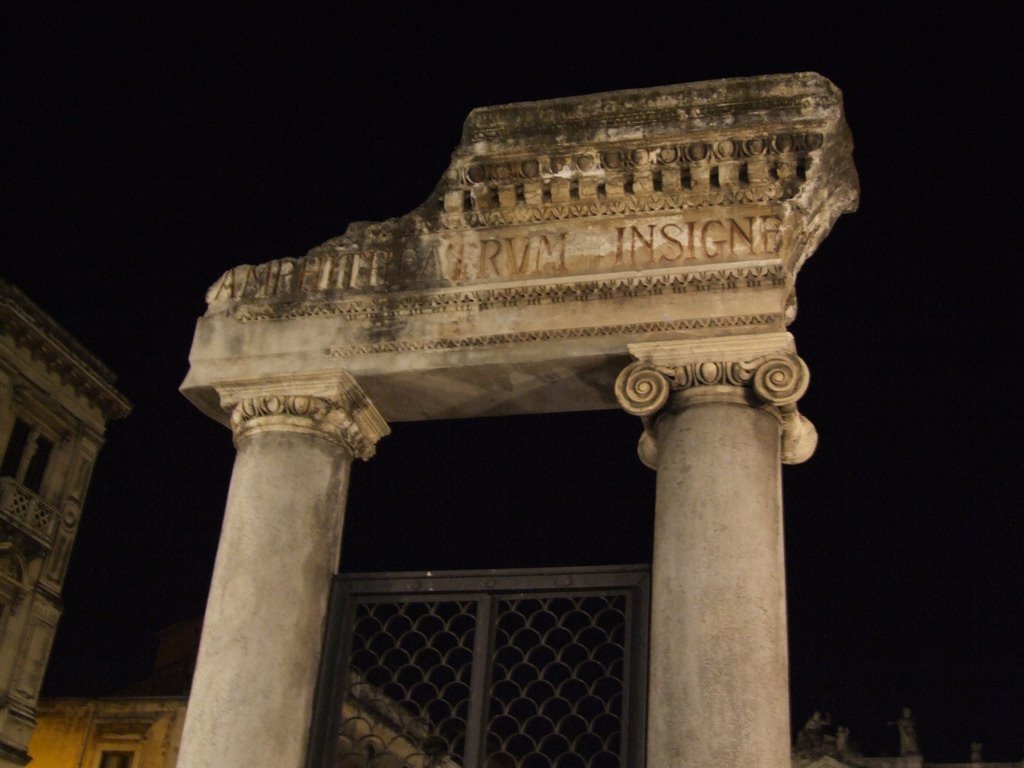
(562, 231)
(718, 690)
(252, 694)
(639, 246)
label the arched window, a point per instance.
(12, 582)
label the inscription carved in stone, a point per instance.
(467, 258)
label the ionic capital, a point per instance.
(762, 371)
(336, 410)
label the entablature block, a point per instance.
(562, 231)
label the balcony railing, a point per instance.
(26, 511)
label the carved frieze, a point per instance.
(503, 255)
(751, 275)
(33, 330)
(558, 334)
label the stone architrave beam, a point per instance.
(562, 231)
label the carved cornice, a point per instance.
(30, 328)
(338, 411)
(707, 105)
(608, 180)
(762, 370)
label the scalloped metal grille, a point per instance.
(518, 669)
(556, 692)
(409, 677)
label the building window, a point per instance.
(15, 449)
(27, 456)
(116, 759)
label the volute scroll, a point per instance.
(641, 389)
(672, 374)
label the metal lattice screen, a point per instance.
(512, 669)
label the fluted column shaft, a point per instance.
(252, 693)
(717, 431)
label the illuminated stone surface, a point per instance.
(562, 231)
(637, 247)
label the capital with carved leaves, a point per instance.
(760, 371)
(335, 409)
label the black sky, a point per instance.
(150, 147)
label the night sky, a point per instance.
(148, 148)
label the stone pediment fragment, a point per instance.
(562, 231)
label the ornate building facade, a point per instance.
(116, 732)
(55, 402)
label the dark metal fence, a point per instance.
(485, 669)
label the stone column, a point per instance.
(719, 417)
(252, 694)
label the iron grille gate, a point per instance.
(484, 669)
